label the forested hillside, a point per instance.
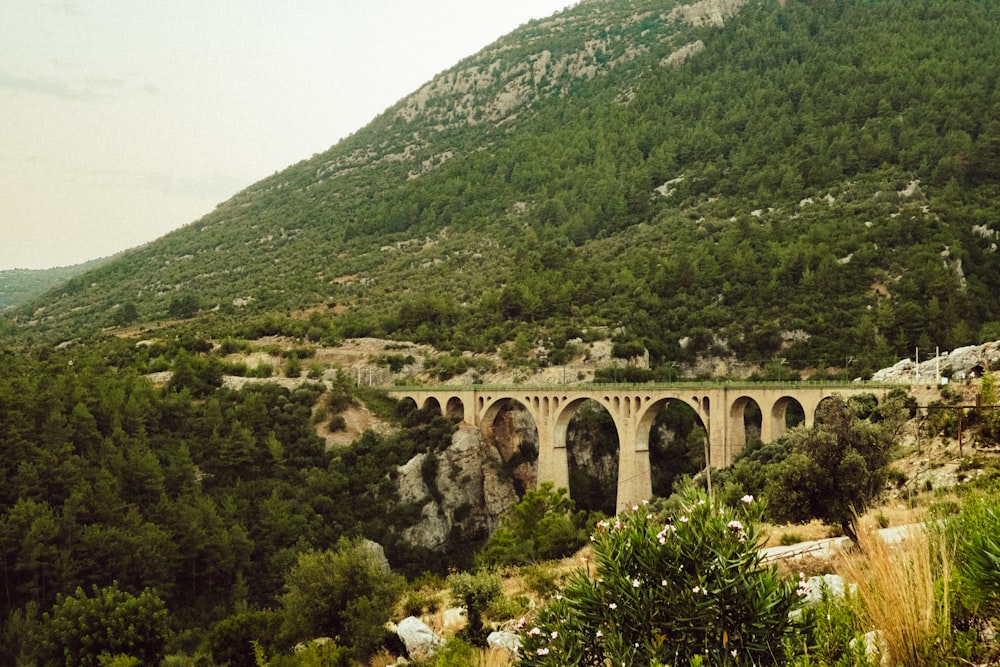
(811, 181)
(20, 285)
(202, 494)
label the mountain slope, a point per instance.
(806, 181)
(20, 285)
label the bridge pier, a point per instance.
(553, 457)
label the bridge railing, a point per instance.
(820, 384)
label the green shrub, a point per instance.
(541, 579)
(504, 608)
(82, 626)
(345, 593)
(455, 653)
(419, 602)
(788, 539)
(476, 591)
(261, 370)
(694, 586)
(542, 526)
(976, 535)
(832, 634)
(337, 424)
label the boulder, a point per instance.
(834, 583)
(421, 642)
(504, 639)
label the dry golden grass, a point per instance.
(814, 530)
(382, 659)
(896, 585)
(494, 657)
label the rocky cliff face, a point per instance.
(465, 487)
(959, 364)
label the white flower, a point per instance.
(747, 499)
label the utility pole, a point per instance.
(708, 467)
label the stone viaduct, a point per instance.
(634, 409)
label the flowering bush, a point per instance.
(688, 590)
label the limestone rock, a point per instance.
(960, 363)
(420, 641)
(504, 639)
(834, 583)
(461, 486)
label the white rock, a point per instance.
(834, 583)
(504, 639)
(421, 642)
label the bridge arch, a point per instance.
(681, 418)
(575, 420)
(431, 402)
(779, 417)
(454, 408)
(489, 411)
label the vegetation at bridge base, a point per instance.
(670, 589)
(544, 525)
(833, 471)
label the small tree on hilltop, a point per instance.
(838, 468)
(676, 592)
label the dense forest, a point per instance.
(810, 188)
(204, 494)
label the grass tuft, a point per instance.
(897, 593)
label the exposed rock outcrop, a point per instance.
(959, 364)
(461, 487)
(420, 641)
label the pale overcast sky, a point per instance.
(121, 120)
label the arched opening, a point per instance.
(786, 413)
(455, 409)
(509, 429)
(753, 420)
(865, 405)
(592, 448)
(431, 403)
(745, 426)
(677, 439)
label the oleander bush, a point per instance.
(685, 588)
